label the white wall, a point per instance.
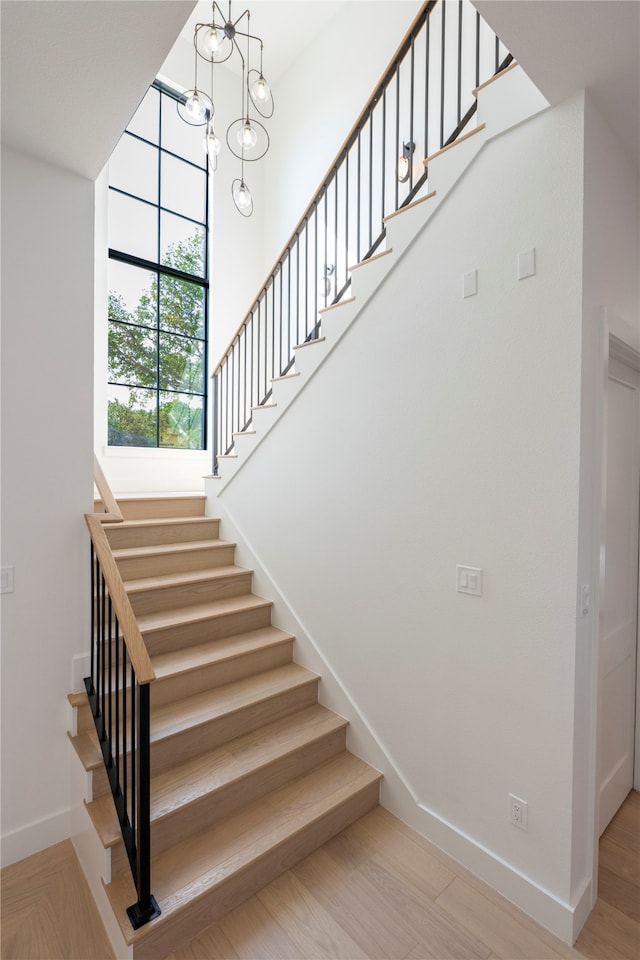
(47, 411)
(446, 431)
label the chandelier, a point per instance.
(246, 137)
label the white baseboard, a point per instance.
(543, 906)
(80, 668)
(33, 837)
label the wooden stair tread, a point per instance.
(371, 259)
(165, 580)
(86, 746)
(173, 718)
(208, 772)
(127, 553)
(205, 861)
(454, 143)
(408, 206)
(165, 522)
(334, 306)
(179, 616)
(309, 343)
(77, 699)
(216, 651)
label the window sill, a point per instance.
(154, 453)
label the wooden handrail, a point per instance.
(112, 512)
(400, 52)
(133, 639)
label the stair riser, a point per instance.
(200, 913)
(120, 535)
(147, 509)
(210, 734)
(217, 674)
(168, 598)
(231, 624)
(137, 568)
(206, 811)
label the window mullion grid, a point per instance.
(158, 271)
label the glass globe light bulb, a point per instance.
(260, 90)
(213, 40)
(212, 145)
(247, 136)
(195, 107)
(243, 198)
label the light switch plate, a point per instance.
(469, 580)
(470, 284)
(6, 579)
(526, 264)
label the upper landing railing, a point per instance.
(423, 102)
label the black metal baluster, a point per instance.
(398, 143)
(384, 152)
(477, 49)
(411, 109)
(358, 194)
(237, 350)
(459, 92)
(335, 233)
(126, 738)
(93, 618)
(280, 318)
(297, 293)
(442, 73)
(110, 684)
(247, 406)
(317, 259)
(117, 705)
(427, 75)
(146, 908)
(214, 422)
(133, 751)
(103, 669)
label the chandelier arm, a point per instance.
(245, 13)
(216, 8)
(251, 36)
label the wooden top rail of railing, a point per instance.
(112, 512)
(136, 647)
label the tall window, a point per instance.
(158, 234)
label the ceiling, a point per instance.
(73, 71)
(568, 45)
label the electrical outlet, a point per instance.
(518, 812)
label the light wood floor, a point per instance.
(377, 890)
(612, 931)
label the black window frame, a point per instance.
(159, 270)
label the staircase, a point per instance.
(249, 773)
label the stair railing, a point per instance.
(118, 691)
(422, 103)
